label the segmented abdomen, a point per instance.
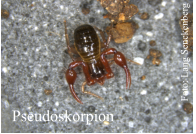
(87, 43)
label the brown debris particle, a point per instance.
(156, 61)
(155, 54)
(130, 11)
(85, 11)
(113, 18)
(188, 108)
(148, 57)
(4, 13)
(152, 43)
(119, 10)
(47, 91)
(143, 77)
(144, 15)
(112, 6)
(123, 31)
(121, 17)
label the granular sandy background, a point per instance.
(33, 57)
